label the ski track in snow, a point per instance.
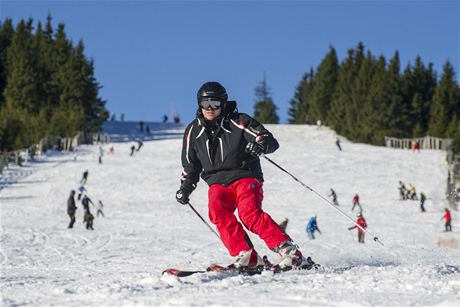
(145, 231)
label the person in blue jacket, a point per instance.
(312, 226)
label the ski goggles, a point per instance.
(213, 104)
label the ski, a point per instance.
(268, 267)
(214, 268)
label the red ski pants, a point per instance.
(245, 195)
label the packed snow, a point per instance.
(145, 231)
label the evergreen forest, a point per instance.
(47, 85)
(367, 97)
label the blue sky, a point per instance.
(151, 56)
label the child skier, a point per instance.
(99, 207)
(81, 190)
(448, 219)
(88, 219)
(101, 154)
(84, 178)
(361, 222)
(312, 226)
(334, 197)
(356, 203)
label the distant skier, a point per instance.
(99, 207)
(448, 219)
(334, 197)
(133, 148)
(111, 150)
(416, 147)
(85, 177)
(81, 190)
(412, 192)
(402, 191)
(85, 202)
(165, 118)
(141, 126)
(88, 219)
(139, 145)
(361, 222)
(147, 129)
(312, 226)
(422, 201)
(337, 142)
(101, 154)
(356, 203)
(71, 208)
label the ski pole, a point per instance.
(196, 212)
(323, 198)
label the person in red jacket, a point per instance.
(356, 203)
(361, 222)
(447, 217)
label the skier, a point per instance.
(133, 148)
(147, 130)
(361, 222)
(101, 154)
(111, 150)
(81, 191)
(312, 226)
(165, 118)
(85, 202)
(412, 192)
(85, 177)
(356, 203)
(402, 190)
(71, 208)
(139, 145)
(88, 219)
(422, 201)
(99, 207)
(337, 142)
(141, 126)
(224, 147)
(416, 146)
(334, 197)
(448, 219)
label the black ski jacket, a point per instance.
(216, 150)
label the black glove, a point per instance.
(183, 194)
(255, 149)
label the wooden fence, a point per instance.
(427, 142)
(52, 143)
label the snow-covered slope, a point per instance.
(146, 231)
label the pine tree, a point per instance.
(446, 102)
(341, 99)
(265, 108)
(360, 102)
(397, 112)
(22, 89)
(325, 82)
(299, 112)
(6, 35)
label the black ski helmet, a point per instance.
(212, 90)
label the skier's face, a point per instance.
(210, 113)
